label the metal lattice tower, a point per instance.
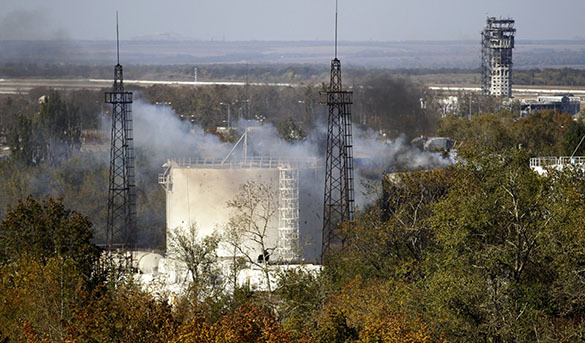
(497, 42)
(339, 193)
(121, 224)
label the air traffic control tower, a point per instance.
(497, 42)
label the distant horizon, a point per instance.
(138, 39)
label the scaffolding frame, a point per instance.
(288, 219)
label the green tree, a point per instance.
(571, 139)
(199, 254)
(290, 131)
(488, 131)
(44, 229)
(546, 133)
(543, 132)
(392, 238)
(300, 295)
(501, 233)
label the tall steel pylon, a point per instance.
(339, 193)
(121, 224)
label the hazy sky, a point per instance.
(232, 20)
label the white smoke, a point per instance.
(374, 157)
(393, 155)
(264, 140)
(161, 135)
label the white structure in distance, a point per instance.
(197, 194)
(542, 164)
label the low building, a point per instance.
(434, 144)
(564, 103)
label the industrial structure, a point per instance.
(121, 223)
(564, 103)
(339, 192)
(198, 191)
(497, 42)
(541, 165)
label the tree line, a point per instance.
(287, 73)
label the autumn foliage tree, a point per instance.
(370, 311)
(249, 323)
(42, 294)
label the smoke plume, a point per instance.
(161, 135)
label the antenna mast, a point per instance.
(338, 204)
(336, 28)
(121, 224)
(117, 39)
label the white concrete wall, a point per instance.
(199, 196)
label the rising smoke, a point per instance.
(33, 36)
(161, 135)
